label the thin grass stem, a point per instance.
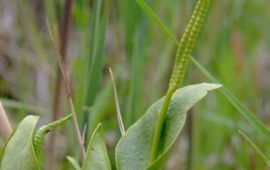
(64, 27)
(68, 89)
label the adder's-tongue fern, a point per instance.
(188, 41)
(183, 54)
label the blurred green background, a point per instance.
(94, 35)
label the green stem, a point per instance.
(159, 125)
(183, 54)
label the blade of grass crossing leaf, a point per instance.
(262, 155)
(226, 92)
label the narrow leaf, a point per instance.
(155, 18)
(97, 157)
(262, 155)
(95, 55)
(243, 110)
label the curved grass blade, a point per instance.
(133, 149)
(19, 152)
(97, 157)
(243, 110)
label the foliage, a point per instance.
(137, 39)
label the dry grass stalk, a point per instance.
(118, 112)
(69, 93)
(5, 127)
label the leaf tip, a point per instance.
(212, 86)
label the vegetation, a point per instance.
(63, 56)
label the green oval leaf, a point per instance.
(19, 151)
(133, 149)
(97, 157)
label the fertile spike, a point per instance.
(187, 42)
(183, 54)
(40, 134)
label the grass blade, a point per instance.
(262, 155)
(155, 18)
(137, 31)
(95, 56)
(245, 112)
